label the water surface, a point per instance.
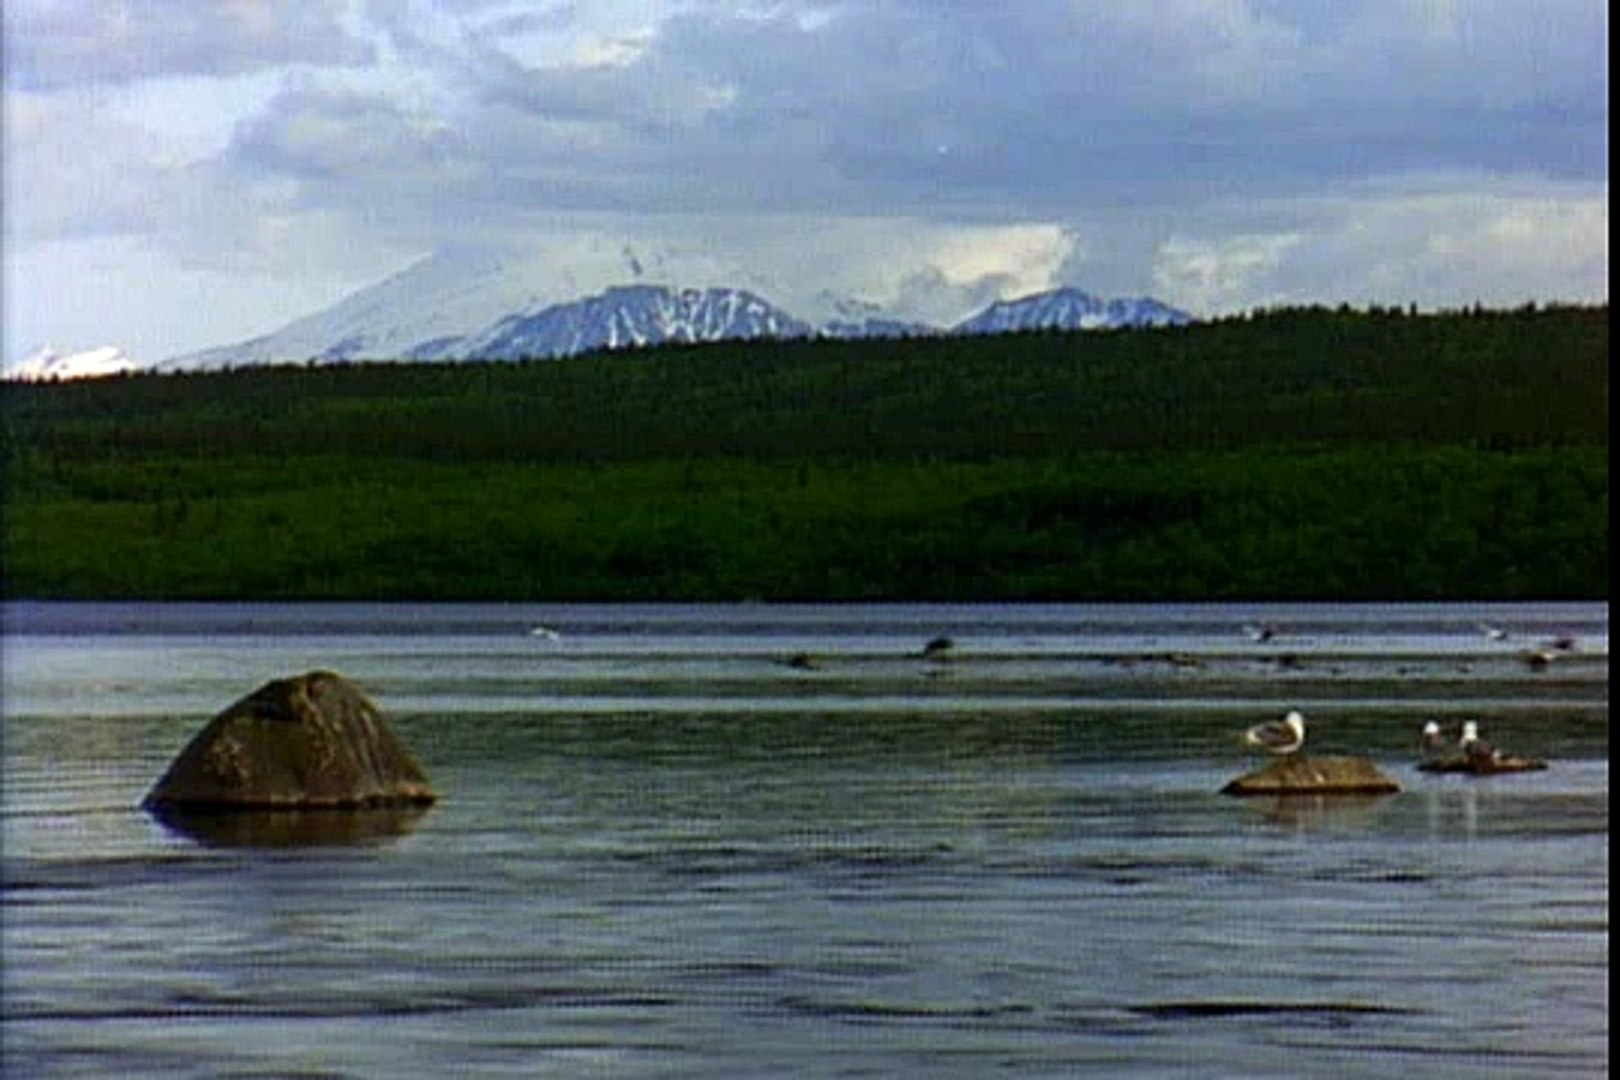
(780, 840)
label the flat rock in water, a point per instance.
(1481, 765)
(1304, 775)
(309, 742)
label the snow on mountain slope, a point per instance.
(481, 305)
(439, 299)
(47, 365)
(1068, 309)
(629, 316)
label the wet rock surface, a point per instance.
(1312, 775)
(304, 743)
(1483, 764)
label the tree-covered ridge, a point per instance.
(1288, 378)
(1297, 454)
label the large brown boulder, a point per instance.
(309, 742)
(1308, 775)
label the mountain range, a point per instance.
(632, 316)
(481, 308)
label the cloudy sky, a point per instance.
(184, 173)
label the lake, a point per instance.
(784, 840)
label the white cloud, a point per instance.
(1439, 249)
(74, 168)
(1220, 273)
(1506, 248)
(1026, 255)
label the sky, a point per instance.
(186, 173)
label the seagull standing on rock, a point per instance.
(1472, 746)
(1432, 744)
(1278, 736)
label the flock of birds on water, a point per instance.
(1463, 746)
(1286, 736)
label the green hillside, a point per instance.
(1296, 454)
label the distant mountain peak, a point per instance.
(632, 316)
(1069, 308)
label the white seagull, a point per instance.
(1471, 744)
(1492, 631)
(1432, 744)
(1278, 736)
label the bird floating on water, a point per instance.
(1260, 632)
(1538, 659)
(937, 648)
(1278, 736)
(545, 633)
(1492, 631)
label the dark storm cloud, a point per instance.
(1045, 104)
(1128, 124)
(354, 138)
(1030, 109)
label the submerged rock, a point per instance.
(1307, 775)
(309, 742)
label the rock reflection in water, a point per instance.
(1310, 813)
(289, 828)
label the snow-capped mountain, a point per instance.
(435, 302)
(1069, 309)
(47, 365)
(630, 316)
(479, 306)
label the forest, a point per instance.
(1301, 453)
